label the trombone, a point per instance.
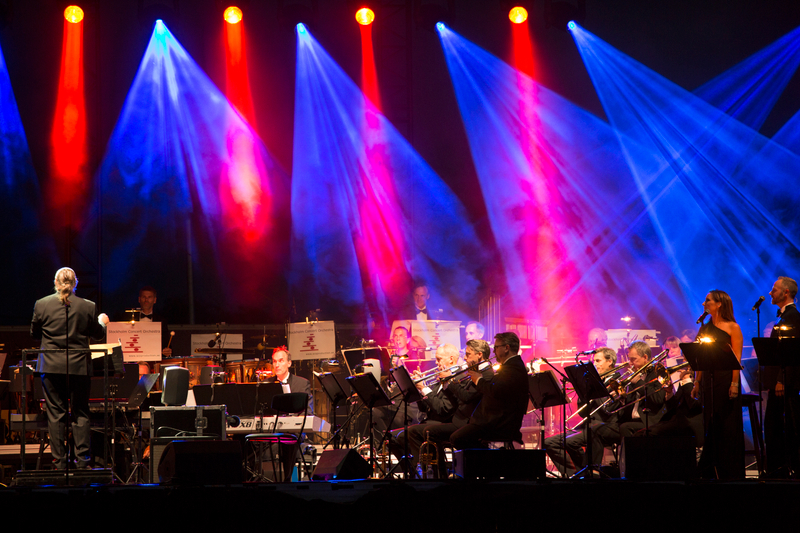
(624, 383)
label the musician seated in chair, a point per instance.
(281, 362)
(504, 399)
(604, 425)
(645, 394)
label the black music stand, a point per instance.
(135, 401)
(372, 395)
(410, 394)
(563, 393)
(587, 384)
(710, 357)
(544, 392)
(785, 353)
(335, 391)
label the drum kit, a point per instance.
(223, 371)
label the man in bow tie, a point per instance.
(147, 301)
(281, 362)
(421, 297)
(780, 438)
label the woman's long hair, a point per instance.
(65, 284)
(726, 311)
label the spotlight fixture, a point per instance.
(518, 15)
(73, 14)
(365, 16)
(232, 15)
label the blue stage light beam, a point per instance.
(184, 175)
(368, 214)
(749, 90)
(29, 248)
(576, 181)
(720, 195)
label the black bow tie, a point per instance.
(142, 315)
(423, 310)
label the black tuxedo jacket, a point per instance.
(49, 324)
(653, 403)
(466, 396)
(504, 401)
(298, 384)
(772, 374)
(410, 313)
(438, 406)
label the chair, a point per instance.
(288, 404)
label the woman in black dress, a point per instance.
(723, 452)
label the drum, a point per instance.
(250, 371)
(193, 364)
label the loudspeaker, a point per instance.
(516, 465)
(201, 462)
(341, 464)
(658, 458)
(176, 385)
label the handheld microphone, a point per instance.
(702, 317)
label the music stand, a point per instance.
(335, 391)
(135, 401)
(710, 357)
(372, 395)
(544, 392)
(410, 394)
(783, 352)
(587, 384)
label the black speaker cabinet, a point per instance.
(197, 421)
(341, 464)
(197, 462)
(511, 465)
(658, 459)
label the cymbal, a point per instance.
(223, 350)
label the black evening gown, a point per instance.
(723, 452)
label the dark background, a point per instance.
(688, 42)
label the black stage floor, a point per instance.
(416, 505)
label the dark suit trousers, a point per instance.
(780, 439)
(55, 391)
(602, 435)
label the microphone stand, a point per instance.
(69, 396)
(564, 381)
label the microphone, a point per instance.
(702, 317)
(213, 342)
(758, 303)
(588, 352)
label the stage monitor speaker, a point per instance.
(176, 385)
(201, 462)
(341, 464)
(509, 465)
(658, 458)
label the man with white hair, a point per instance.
(62, 321)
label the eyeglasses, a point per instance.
(496, 346)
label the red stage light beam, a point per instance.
(69, 156)
(369, 74)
